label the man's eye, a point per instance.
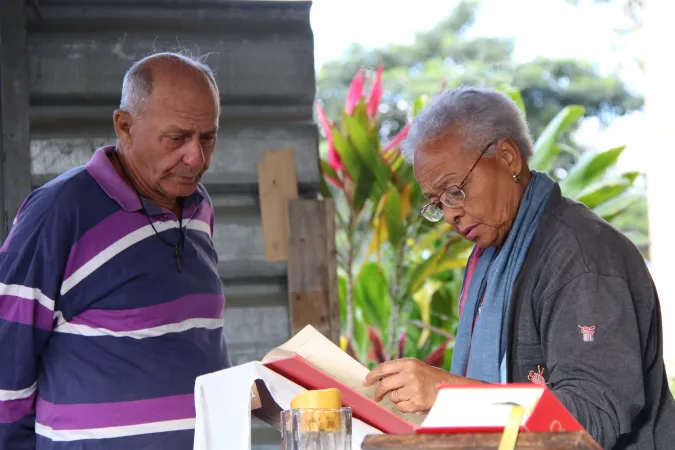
(177, 139)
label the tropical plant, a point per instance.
(399, 275)
(386, 255)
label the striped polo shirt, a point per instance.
(101, 337)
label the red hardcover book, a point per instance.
(312, 361)
(304, 374)
(478, 408)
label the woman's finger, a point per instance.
(402, 394)
(388, 384)
(385, 369)
(406, 407)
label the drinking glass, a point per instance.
(316, 429)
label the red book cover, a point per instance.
(544, 413)
(304, 374)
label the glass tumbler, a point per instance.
(316, 429)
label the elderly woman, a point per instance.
(552, 294)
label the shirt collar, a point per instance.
(102, 170)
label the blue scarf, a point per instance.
(482, 355)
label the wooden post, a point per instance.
(277, 183)
(312, 267)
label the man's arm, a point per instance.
(31, 261)
(595, 371)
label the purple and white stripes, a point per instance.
(192, 311)
(16, 404)
(22, 304)
(69, 422)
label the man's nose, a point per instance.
(194, 153)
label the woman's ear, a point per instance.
(509, 156)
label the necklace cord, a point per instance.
(181, 238)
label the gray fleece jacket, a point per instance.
(584, 318)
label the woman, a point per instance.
(552, 294)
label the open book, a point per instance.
(486, 408)
(312, 361)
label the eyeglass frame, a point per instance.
(460, 187)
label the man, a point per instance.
(110, 300)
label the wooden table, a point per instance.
(549, 441)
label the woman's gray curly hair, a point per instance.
(480, 115)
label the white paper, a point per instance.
(223, 406)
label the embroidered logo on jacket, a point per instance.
(588, 332)
(538, 376)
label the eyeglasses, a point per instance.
(452, 197)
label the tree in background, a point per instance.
(446, 55)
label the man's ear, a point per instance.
(123, 122)
(509, 156)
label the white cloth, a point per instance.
(223, 406)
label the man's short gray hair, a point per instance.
(479, 115)
(137, 84)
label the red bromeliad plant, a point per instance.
(393, 265)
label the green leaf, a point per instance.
(350, 157)
(589, 171)
(361, 338)
(324, 189)
(328, 170)
(364, 190)
(545, 148)
(373, 296)
(602, 192)
(423, 298)
(366, 144)
(447, 255)
(358, 133)
(361, 111)
(357, 169)
(419, 104)
(392, 213)
(611, 208)
(342, 295)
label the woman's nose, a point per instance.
(452, 215)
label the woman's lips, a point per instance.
(470, 232)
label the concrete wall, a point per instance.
(72, 60)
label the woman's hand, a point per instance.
(410, 383)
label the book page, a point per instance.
(323, 354)
(480, 407)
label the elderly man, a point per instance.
(552, 294)
(110, 300)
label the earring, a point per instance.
(516, 178)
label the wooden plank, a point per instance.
(277, 184)
(14, 90)
(312, 267)
(484, 441)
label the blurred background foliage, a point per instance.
(399, 275)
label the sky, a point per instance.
(551, 28)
